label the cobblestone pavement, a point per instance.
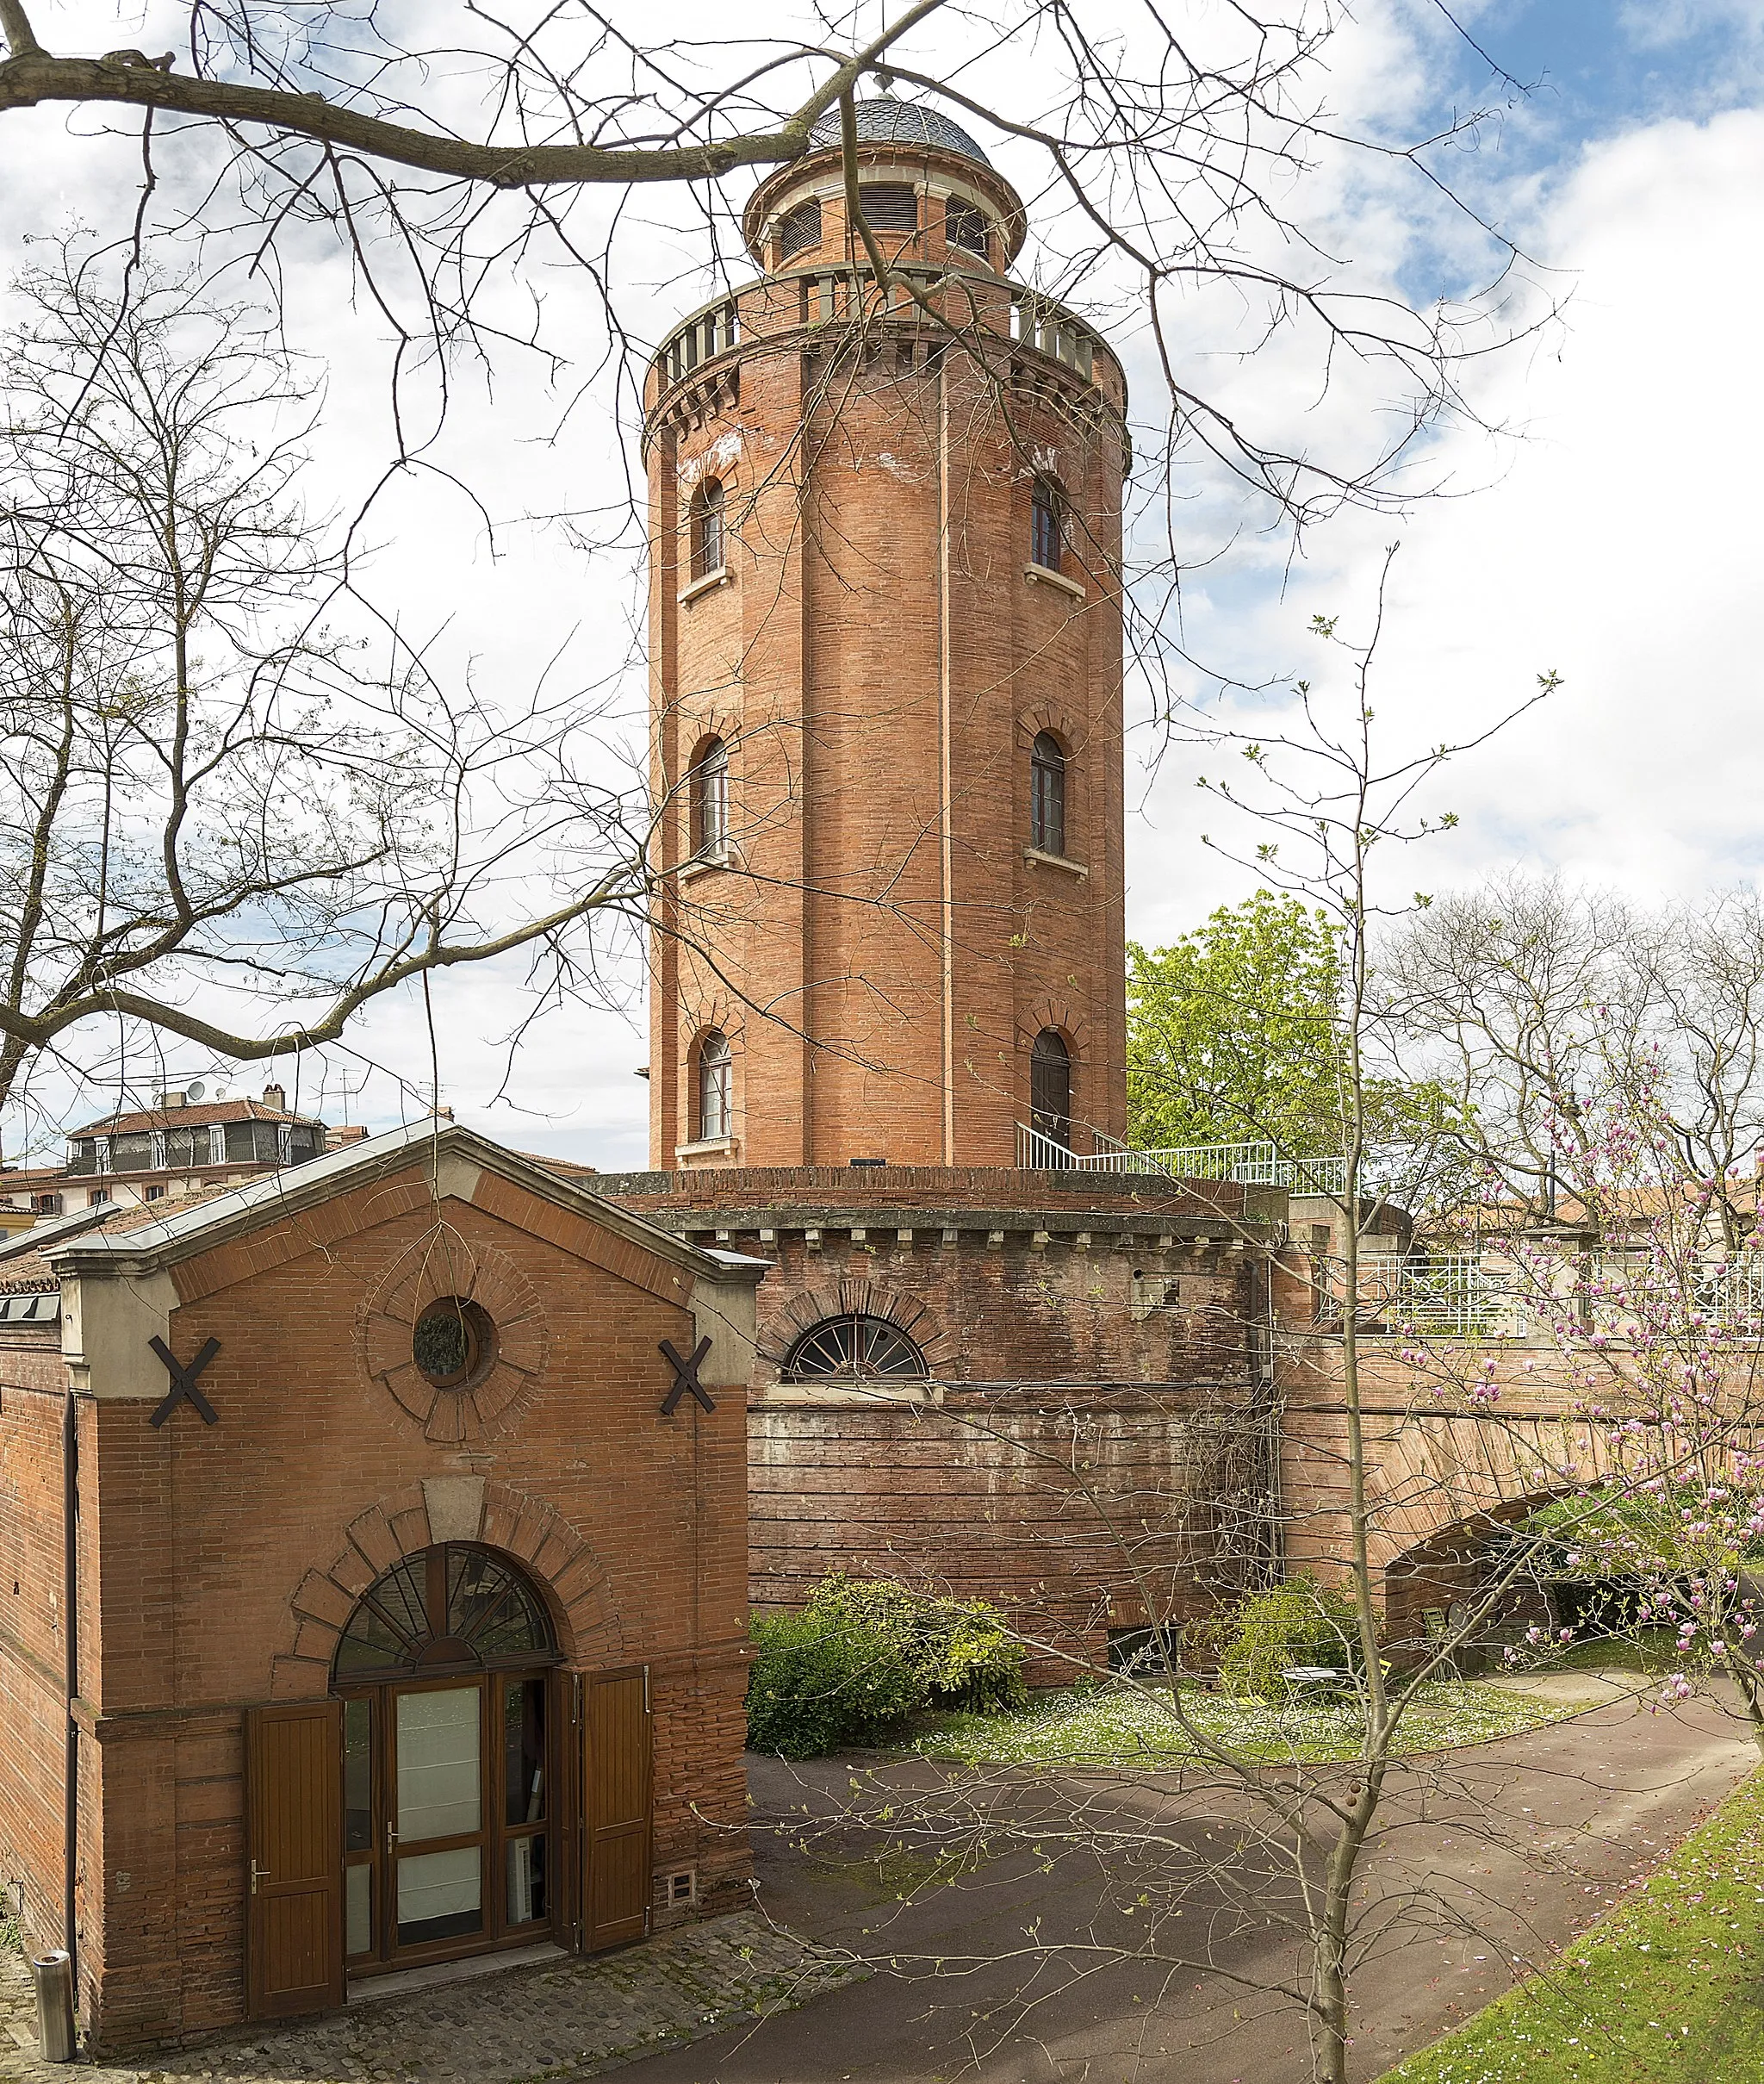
(552, 2020)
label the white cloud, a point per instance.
(1618, 545)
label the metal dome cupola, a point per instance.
(928, 190)
(885, 120)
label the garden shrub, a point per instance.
(863, 1654)
(1299, 1622)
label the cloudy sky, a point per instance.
(1606, 534)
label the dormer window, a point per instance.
(707, 529)
(964, 226)
(799, 229)
(890, 206)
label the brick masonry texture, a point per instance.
(876, 944)
(1098, 1439)
(218, 1565)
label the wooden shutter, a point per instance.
(615, 1808)
(294, 1848)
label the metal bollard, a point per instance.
(53, 1973)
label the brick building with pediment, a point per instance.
(375, 1579)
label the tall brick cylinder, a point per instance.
(885, 529)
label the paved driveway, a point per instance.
(1022, 1970)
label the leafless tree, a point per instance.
(455, 157)
(237, 807)
(1543, 1007)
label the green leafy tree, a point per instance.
(1234, 1030)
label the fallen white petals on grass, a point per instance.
(1115, 1725)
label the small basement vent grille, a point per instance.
(681, 1887)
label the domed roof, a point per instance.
(887, 121)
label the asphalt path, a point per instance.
(1130, 1928)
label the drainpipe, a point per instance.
(69, 1579)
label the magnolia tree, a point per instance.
(1626, 1389)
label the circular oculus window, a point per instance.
(453, 1342)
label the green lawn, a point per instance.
(1115, 1727)
(1670, 1985)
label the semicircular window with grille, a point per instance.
(450, 1607)
(853, 1346)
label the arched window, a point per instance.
(1047, 524)
(1050, 1088)
(716, 1075)
(452, 1608)
(710, 801)
(1048, 794)
(707, 529)
(854, 1346)
(799, 229)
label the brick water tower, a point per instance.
(886, 633)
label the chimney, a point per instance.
(350, 1133)
(275, 1096)
(441, 1114)
(169, 1099)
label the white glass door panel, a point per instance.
(440, 1895)
(440, 1793)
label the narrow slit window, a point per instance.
(716, 1080)
(1048, 794)
(1050, 1088)
(710, 801)
(707, 529)
(1047, 524)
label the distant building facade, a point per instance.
(180, 1145)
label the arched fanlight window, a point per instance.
(854, 1346)
(716, 1073)
(454, 1607)
(1047, 524)
(708, 525)
(710, 800)
(1050, 1088)
(799, 229)
(1048, 794)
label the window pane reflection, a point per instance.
(438, 1764)
(524, 1752)
(357, 1775)
(440, 1895)
(357, 1910)
(526, 1880)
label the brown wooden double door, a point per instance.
(450, 1817)
(419, 1820)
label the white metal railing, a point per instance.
(1731, 1291)
(1239, 1164)
(1472, 1295)
(1450, 1291)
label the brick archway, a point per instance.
(448, 1509)
(854, 1296)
